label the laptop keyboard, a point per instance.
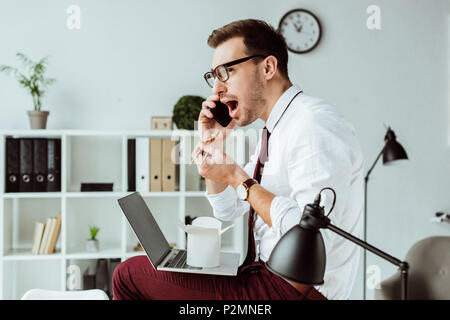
(178, 261)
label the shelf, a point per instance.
(104, 253)
(200, 194)
(161, 194)
(33, 133)
(31, 195)
(99, 194)
(25, 254)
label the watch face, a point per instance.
(301, 30)
(241, 192)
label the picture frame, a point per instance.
(161, 123)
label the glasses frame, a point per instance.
(229, 64)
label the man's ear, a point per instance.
(270, 65)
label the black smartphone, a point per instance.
(221, 114)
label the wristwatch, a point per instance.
(242, 189)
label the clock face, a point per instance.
(301, 30)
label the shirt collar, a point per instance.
(280, 106)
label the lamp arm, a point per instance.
(365, 245)
(373, 165)
(403, 266)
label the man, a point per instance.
(307, 145)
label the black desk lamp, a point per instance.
(391, 151)
(300, 256)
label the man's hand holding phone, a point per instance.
(214, 127)
(214, 120)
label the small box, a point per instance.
(161, 123)
(96, 187)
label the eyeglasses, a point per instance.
(221, 72)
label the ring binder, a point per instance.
(12, 165)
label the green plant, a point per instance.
(94, 230)
(34, 81)
(186, 111)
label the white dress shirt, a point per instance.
(310, 148)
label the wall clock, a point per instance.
(301, 30)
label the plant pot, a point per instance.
(38, 119)
(92, 245)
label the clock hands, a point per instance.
(298, 28)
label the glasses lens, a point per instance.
(222, 73)
(209, 77)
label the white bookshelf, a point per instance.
(95, 156)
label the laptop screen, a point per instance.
(145, 227)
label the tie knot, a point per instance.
(266, 133)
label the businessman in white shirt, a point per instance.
(310, 147)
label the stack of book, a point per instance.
(45, 235)
(33, 165)
(152, 165)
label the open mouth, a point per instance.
(232, 108)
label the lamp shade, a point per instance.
(392, 149)
(299, 256)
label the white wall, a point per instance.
(134, 59)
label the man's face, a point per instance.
(243, 92)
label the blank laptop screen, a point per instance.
(145, 227)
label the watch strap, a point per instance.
(249, 182)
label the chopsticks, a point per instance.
(209, 139)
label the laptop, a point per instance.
(160, 254)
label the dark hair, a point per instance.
(259, 38)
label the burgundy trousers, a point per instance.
(135, 278)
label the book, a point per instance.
(38, 232)
(54, 165)
(142, 164)
(12, 165)
(155, 165)
(170, 172)
(26, 165)
(39, 165)
(54, 234)
(48, 226)
(131, 164)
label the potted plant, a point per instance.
(92, 243)
(186, 111)
(35, 82)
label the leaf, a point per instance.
(39, 69)
(24, 81)
(44, 60)
(7, 69)
(27, 62)
(49, 81)
(94, 230)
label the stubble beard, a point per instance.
(256, 103)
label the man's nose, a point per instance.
(219, 87)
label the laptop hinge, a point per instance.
(163, 257)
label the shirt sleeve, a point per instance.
(226, 204)
(315, 161)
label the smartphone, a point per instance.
(221, 114)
